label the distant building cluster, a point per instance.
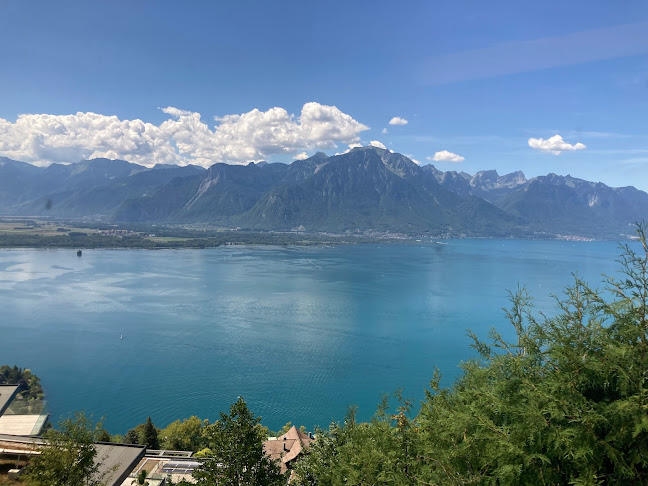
(117, 232)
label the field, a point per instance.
(21, 226)
(166, 239)
(42, 233)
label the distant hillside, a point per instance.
(373, 189)
(365, 189)
(553, 203)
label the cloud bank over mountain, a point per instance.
(184, 139)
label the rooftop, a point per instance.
(7, 392)
(10, 444)
(22, 424)
(287, 447)
(178, 468)
(117, 461)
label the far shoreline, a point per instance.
(41, 233)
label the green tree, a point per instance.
(30, 389)
(149, 435)
(284, 429)
(140, 480)
(69, 458)
(381, 451)
(132, 437)
(103, 436)
(185, 435)
(564, 400)
(237, 457)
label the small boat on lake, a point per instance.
(79, 253)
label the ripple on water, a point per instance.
(301, 333)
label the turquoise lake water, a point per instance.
(300, 333)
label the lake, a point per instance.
(300, 333)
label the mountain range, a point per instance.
(366, 189)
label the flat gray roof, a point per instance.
(7, 393)
(123, 458)
(116, 460)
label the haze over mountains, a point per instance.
(366, 189)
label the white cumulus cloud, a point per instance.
(397, 120)
(183, 139)
(445, 156)
(555, 145)
(377, 144)
(301, 156)
(384, 131)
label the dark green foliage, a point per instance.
(144, 434)
(236, 454)
(103, 436)
(9, 240)
(149, 435)
(564, 402)
(30, 396)
(30, 385)
(182, 482)
(382, 451)
(70, 458)
(141, 478)
(132, 437)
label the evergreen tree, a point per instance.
(140, 480)
(382, 451)
(563, 402)
(237, 457)
(103, 436)
(132, 437)
(150, 435)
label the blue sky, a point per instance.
(476, 79)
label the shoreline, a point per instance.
(39, 233)
(206, 244)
